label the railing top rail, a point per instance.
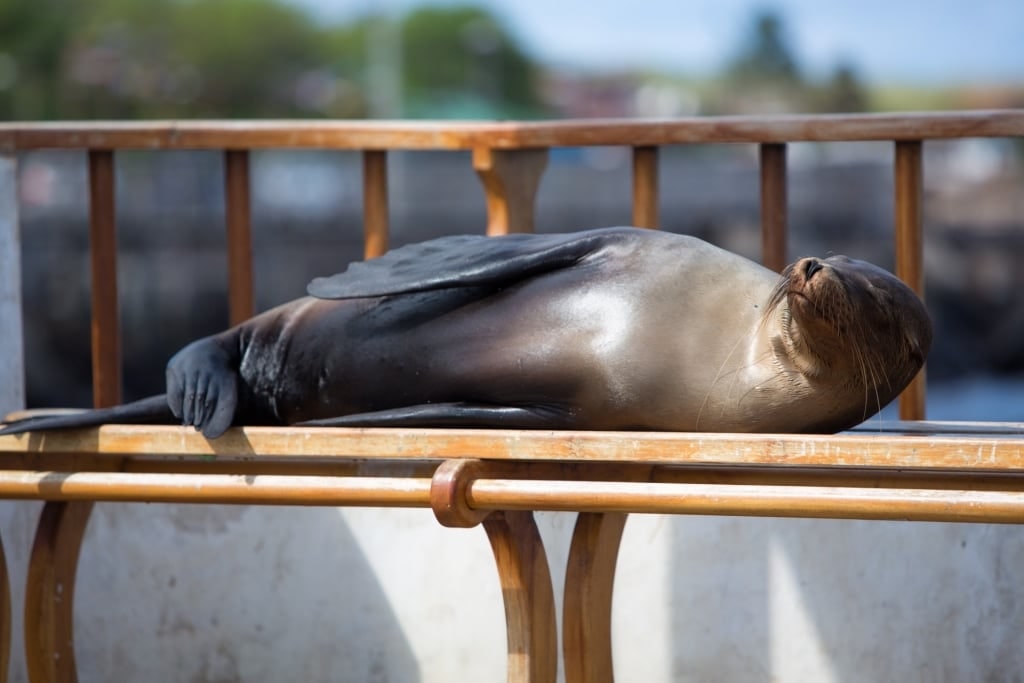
(454, 135)
(935, 451)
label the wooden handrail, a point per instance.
(263, 489)
(754, 501)
(440, 135)
(949, 505)
(964, 453)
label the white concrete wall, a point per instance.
(193, 593)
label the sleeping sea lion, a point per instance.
(615, 328)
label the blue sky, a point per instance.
(890, 41)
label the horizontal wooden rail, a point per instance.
(412, 135)
(968, 453)
(739, 499)
(264, 489)
(333, 466)
(950, 505)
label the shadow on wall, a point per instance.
(843, 601)
(231, 593)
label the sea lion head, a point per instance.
(854, 327)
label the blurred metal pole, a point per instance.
(384, 62)
(12, 366)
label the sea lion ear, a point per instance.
(915, 350)
(916, 354)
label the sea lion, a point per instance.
(615, 328)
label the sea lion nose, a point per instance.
(811, 266)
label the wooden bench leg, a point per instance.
(529, 598)
(50, 592)
(587, 605)
(5, 617)
(522, 568)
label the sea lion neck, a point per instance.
(788, 344)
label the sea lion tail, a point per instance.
(152, 410)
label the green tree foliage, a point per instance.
(248, 56)
(451, 52)
(765, 56)
(765, 77)
(33, 34)
(844, 92)
(240, 58)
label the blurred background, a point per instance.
(502, 59)
(238, 593)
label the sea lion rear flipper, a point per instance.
(465, 261)
(454, 415)
(148, 410)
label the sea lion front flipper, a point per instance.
(202, 387)
(466, 261)
(478, 415)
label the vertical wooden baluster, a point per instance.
(106, 326)
(773, 205)
(375, 203)
(528, 596)
(587, 607)
(50, 586)
(237, 210)
(910, 251)
(645, 187)
(510, 179)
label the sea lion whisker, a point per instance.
(714, 382)
(870, 384)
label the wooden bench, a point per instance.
(916, 471)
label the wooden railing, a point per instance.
(492, 477)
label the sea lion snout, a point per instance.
(809, 266)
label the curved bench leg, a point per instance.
(587, 605)
(5, 617)
(528, 596)
(50, 592)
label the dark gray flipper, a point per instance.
(202, 387)
(152, 410)
(478, 415)
(467, 261)
(202, 392)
